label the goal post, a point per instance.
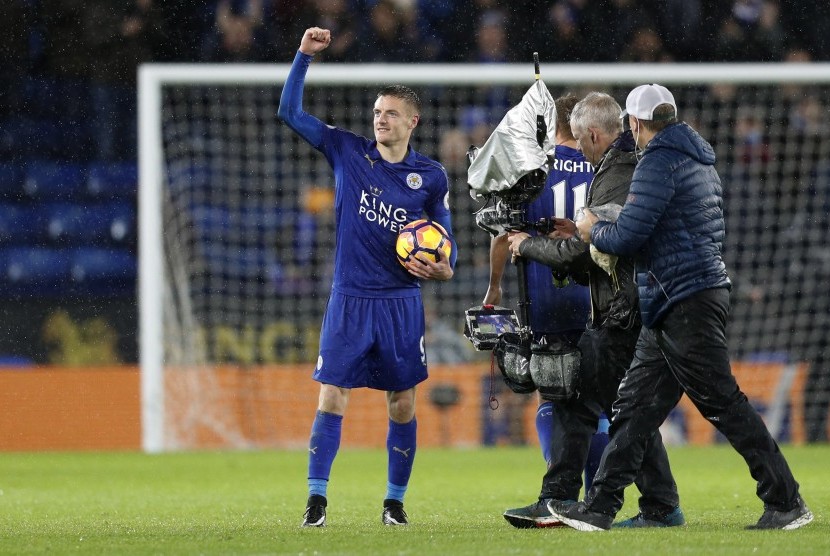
(235, 231)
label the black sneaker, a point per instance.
(578, 517)
(315, 511)
(674, 518)
(793, 519)
(393, 513)
(534, 515)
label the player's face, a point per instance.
(394, 120)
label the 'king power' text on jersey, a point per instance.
(374, 199)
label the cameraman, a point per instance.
(554, 311)
(607, 345)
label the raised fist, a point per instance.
(315, 40)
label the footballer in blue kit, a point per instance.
(373, 329)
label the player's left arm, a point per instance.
(445, 222)
(442, 268)
(439, 212)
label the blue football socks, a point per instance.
(544, 429)
(598, 443)
(322, 448)
(400, 443)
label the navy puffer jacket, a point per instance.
(672, 222)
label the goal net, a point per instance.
(237, 231)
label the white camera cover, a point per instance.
(512, 150)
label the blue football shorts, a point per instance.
(372, 342)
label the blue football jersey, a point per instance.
(555, 310)
(373, 200)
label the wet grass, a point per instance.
(252, 503)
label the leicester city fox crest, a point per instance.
(414, 181)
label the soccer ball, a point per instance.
(422, 238)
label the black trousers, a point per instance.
(687, 353)
(606, 356)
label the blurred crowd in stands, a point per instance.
(93, 47)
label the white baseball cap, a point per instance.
(642, 101)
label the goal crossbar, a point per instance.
(491, 74)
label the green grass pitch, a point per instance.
(252, 503)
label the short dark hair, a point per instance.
(564, 106)
(663, 116)
(404, 93)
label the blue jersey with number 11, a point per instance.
(556, 310)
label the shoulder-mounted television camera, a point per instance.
(506, 210)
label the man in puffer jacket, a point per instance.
(607, 346)
(673, 224)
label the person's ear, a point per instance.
(413, 122)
